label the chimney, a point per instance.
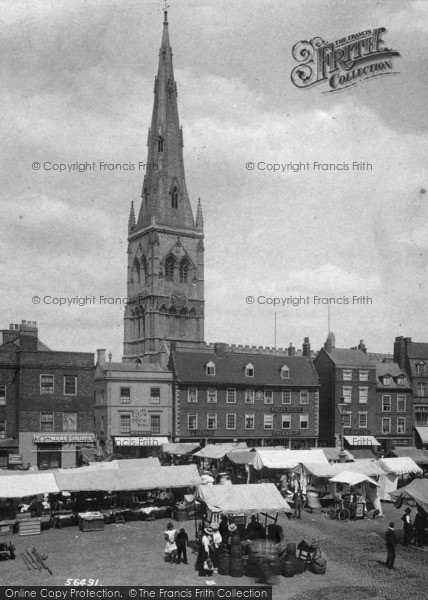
(400, 350)
(291, 350)
(101, 357)
(306, 347)
(362, 346)
(330, 343)
(220, 348)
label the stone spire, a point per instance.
(165, 200)
(131, 220)
(199, 216)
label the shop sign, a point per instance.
(66, 438)
(139, 441)
(286, 409)
(289, 433)
(140, 420)
(359, 432)
(202, 432)
(15, 459)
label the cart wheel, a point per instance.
(331, 513)
(344, 514)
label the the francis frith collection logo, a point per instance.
(342, 63)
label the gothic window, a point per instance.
(169, 268)
(136, 270)
(160, 144)
(184, 270)
(174, 198)
(143, 268)
(172, 317)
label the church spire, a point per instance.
(199, 216)
(131, 220)
(165, 197)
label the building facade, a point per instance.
(47, 400)
(413, 358)
(133, 407)
(165, 242)
(237, 393)
(346, 376)
(394, 407)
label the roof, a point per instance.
(365, 467)
(361, 440)
(243, 457)
(363, 453)
(245, 498)
(352, 478)
(31, 484)
(131, 367)
(189, 367)
(418, 456)
(217, 450)
(417, 350)
(333, 454)
(417, 491)
(399, 465)
(287, 459)
(423, 434)
(392, 369)
(353, 357)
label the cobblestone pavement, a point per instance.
(357, 549)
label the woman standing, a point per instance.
(420, 526)
(170, 546)
(204, 554)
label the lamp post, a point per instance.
(343, 410)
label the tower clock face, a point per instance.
(178, 299)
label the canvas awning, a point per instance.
(30, 484)
(361, 440)
(417, 455)
(399, 466)
(363, 453)
(287, 459)
(363, 467)
(216, 451)
(254, 498)
(333, 454)
(352, 478)
(423, 434)
(417, 491)
(178, 449)
(243, 457)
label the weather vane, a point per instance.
(165, 5)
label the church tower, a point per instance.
(165, 243)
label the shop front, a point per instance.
(56, 450)
(9, 457)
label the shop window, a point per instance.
(3, 460)
(49, 456)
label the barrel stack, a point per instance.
(236, 560)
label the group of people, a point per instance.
(176, 545)
(415, 532)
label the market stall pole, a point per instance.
(343, 410)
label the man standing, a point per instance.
(407, 527)
(298, 501)
(391, 542)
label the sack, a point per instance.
(208, 565)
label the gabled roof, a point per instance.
(393, 370)
(353, 357)
(189, 367)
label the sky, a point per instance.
(77, 82)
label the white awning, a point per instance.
(423, 434)
(361, 440)
(128, 442)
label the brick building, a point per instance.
(413, 358)
(234, 393)
(133, 407)
(347, 376)
(46, 400)
(394, 407)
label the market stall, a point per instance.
(395, 468)
(368, 491)
(416, 491)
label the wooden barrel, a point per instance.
(290, 550)
(180, 513)
(253, 566)
(288, 566)
(236, 567)
(263, 548)
(223, 564)
(299, 566)
(271, 566)
(235, 538)
(236, 550)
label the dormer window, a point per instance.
(387, 380)
(421, 368)
(285, 372)
(174, 198)
(400, 380)
(160, 143)
(249, 370)
(210, 368)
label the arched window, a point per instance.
(184, 270)
(174, 198)
(160, 144)
(143, 266)
(169, 268)
(136, 270)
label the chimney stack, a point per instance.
(101, 357)
(362, 346)
(306, 347)
(291, 350)
(220, 348)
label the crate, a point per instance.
(6, 527)
(91, 524)
(30, 527)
